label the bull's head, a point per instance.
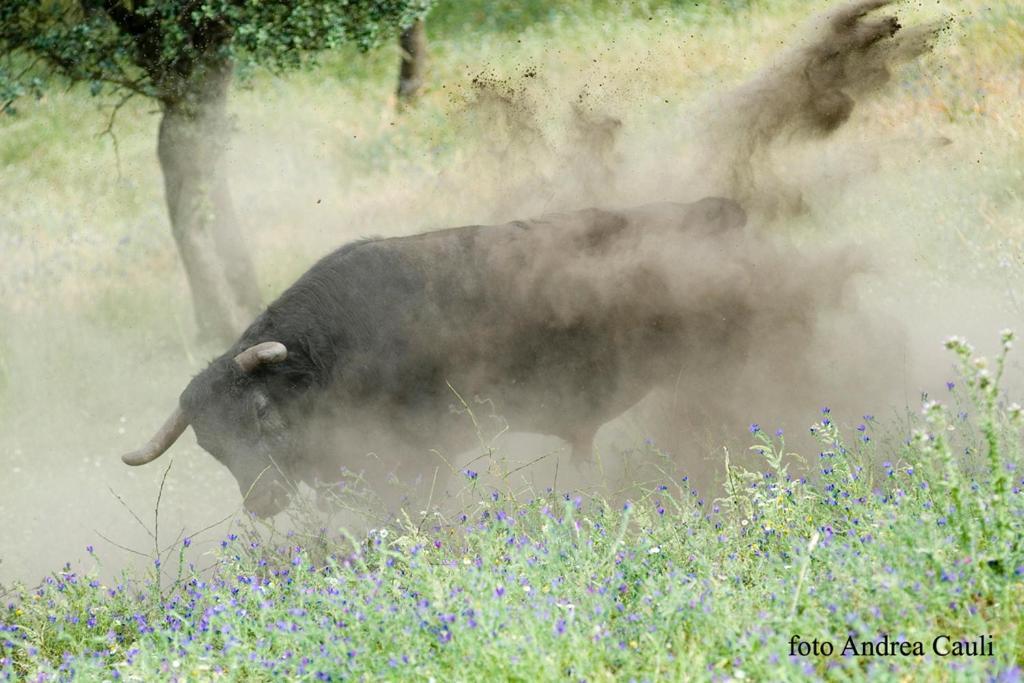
(234, 419)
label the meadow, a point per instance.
(904, 524)
(923, 551)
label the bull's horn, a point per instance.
(265, 352)
(160, 442)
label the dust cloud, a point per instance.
(841, 310)
(810, 337)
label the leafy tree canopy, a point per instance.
(157, 48)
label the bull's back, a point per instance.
(520, 313)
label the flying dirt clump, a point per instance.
(808, 93)
(544, 158)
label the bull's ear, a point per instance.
(261, 354)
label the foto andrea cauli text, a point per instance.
(942, 645)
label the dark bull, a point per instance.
(564, 322)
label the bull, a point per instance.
(563, 322)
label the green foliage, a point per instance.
(155, 48)
(452, 17)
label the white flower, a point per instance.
(654, 550)
(958, 344)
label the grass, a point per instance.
(96, 341)
(669, 586)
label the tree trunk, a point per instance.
(412, 72)
(191, 147)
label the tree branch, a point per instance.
(109, 130)
(125, 19)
